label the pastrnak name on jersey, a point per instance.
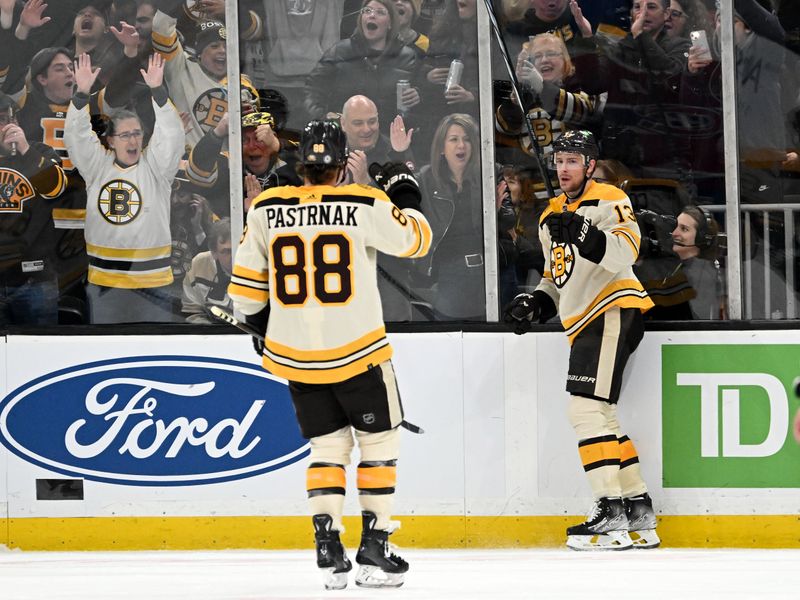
(311, 215)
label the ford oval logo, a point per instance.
(156, 420)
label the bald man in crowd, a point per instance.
(365, 141)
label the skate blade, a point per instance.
(611, 540)
(645, 539)
(333, 581)
(373, 577)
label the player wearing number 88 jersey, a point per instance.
(308, 253)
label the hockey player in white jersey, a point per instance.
(591, 240)
(305, 273)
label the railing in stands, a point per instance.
(757, 255)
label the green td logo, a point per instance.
(726, 415)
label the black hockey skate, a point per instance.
(605, 528)
(378, 567)
(331, 557)
(641, 521)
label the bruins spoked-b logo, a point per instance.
(119, 202)
(210, 107)
(562, 260)
(14, 190)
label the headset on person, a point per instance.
(706, 227)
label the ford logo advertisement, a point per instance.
(155, 420)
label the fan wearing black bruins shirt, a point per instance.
(31, 177)
(42, 116)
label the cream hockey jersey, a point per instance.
(310, 252)
(127, 230)
(581, 289)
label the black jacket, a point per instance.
(350, 68)
(29, 186)
(454, 266)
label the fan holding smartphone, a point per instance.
(699, 56)
(700, 41)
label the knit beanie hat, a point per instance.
(209, 32)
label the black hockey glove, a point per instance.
(522, 312)
(397, 180)
(258, 322)
(258, 345)
(571, 228)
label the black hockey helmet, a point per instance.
(579, 142)
(323, 143)
(275, 103)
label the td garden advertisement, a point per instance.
(727, 413)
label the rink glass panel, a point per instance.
(766, 216)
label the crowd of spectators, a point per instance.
(649, 86)
(128, 204)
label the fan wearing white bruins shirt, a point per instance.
(590, 240)
(128, 201)
(309, 253)
(198, 87)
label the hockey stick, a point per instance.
(537, 149)
(224, 315)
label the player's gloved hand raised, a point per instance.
(522, 312)
(397, 180)
(571, 228)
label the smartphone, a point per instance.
(700, 40)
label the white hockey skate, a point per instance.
(333, 580)
(378, 566)
(605, 528)
(642, 522)
(331, 557)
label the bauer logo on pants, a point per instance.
(154, 421)
(727, 415)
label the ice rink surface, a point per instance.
(434, 575)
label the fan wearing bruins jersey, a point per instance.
(590, 240)
(554, 102)
(128, 201)
(31, 178)
(42, 116)
(309, 253)
(197, 86)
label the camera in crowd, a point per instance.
(656, 232)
